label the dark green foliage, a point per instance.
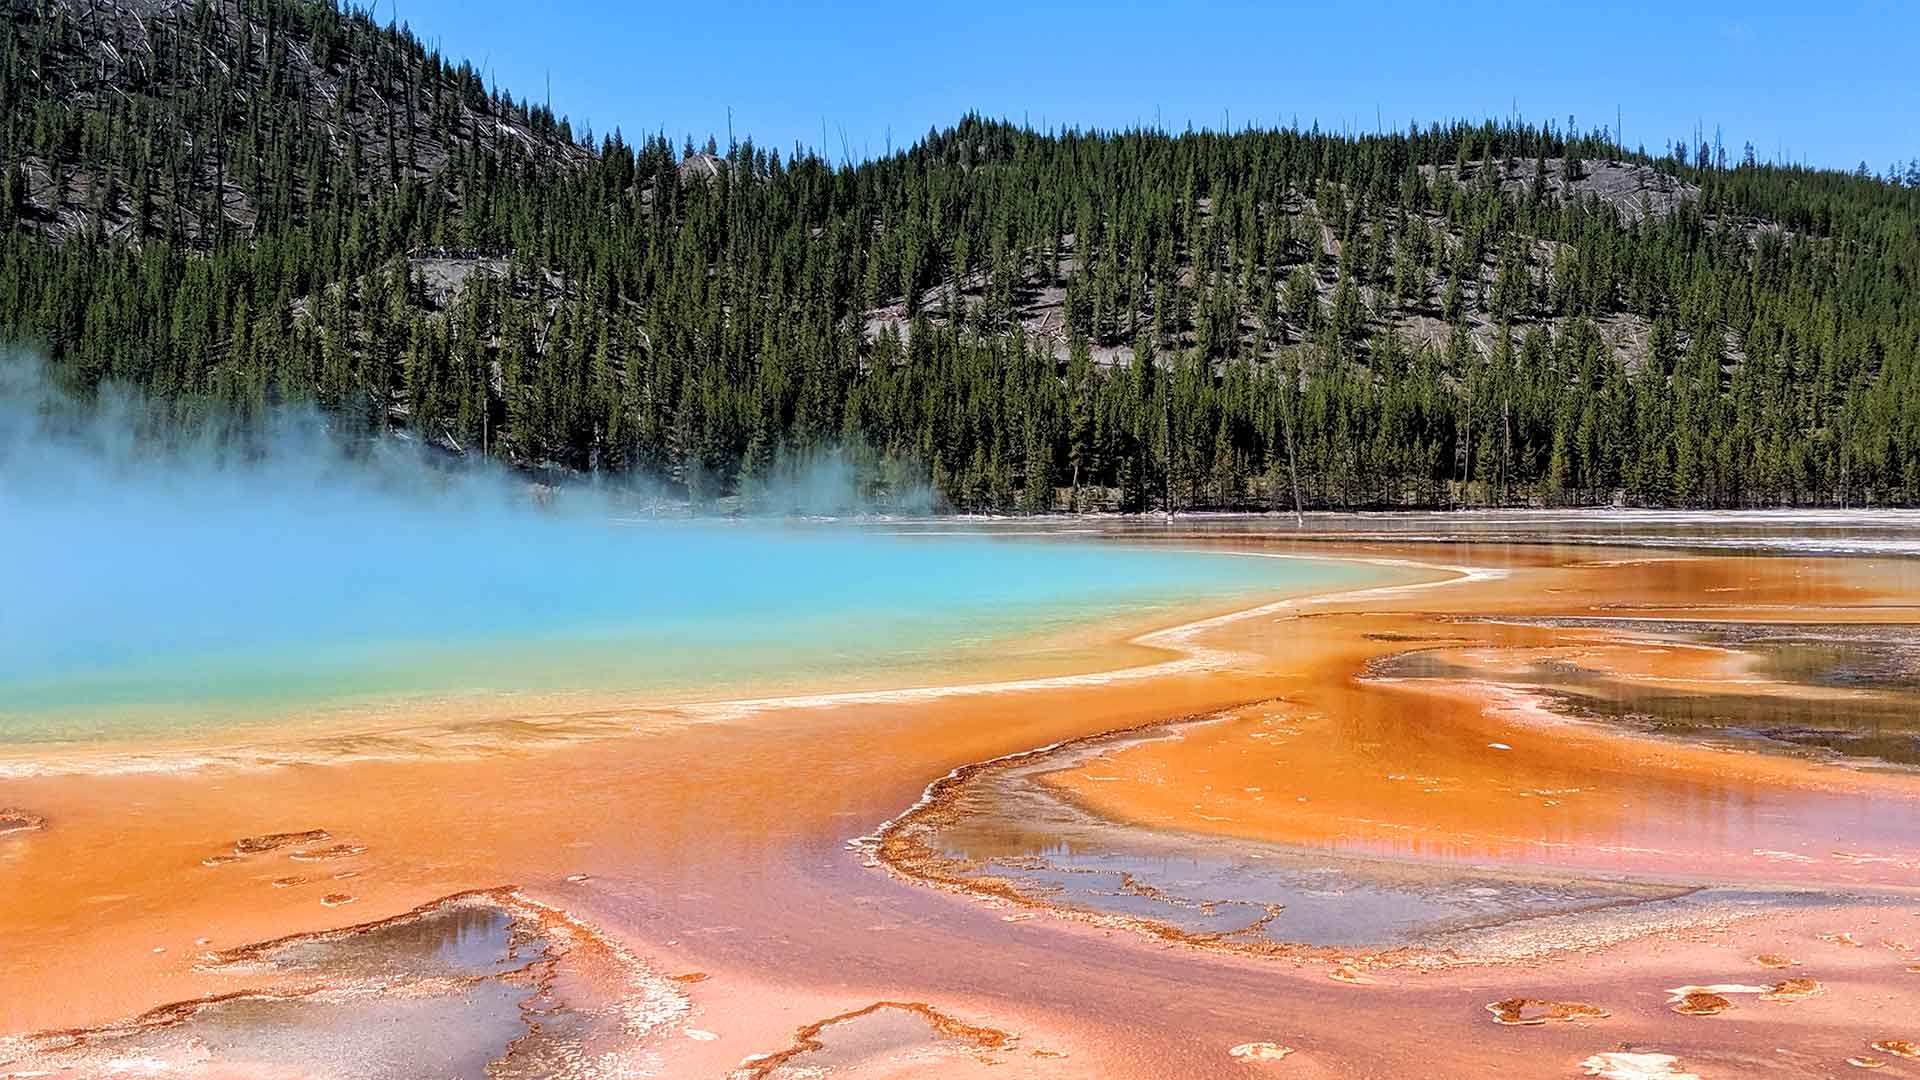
(239, 204)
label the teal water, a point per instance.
(209, 616)
(159, 582)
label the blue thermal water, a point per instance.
(208, 610)
(151, 587)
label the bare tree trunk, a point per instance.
(1166, 439)
(1293, 466)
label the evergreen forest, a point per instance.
(235, 207)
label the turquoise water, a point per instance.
(158, 585)
(201, 618)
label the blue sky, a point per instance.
(1828, 83)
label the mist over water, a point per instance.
(151, 586)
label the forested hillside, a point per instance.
(236, 205)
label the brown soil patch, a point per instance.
(1793, 990)
(249, 845)
(337, 851)
(1526, 1012)
(1701, 1003)
(14, 820)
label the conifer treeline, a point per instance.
(241, 204)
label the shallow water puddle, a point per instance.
(1007, 830)
(464, 987)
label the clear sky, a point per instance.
(1830, 83)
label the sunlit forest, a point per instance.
(237, 207)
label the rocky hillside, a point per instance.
(132, 120)
(244, 205)
(1409, 299)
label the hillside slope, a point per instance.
(136, 120)
(241, 204)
